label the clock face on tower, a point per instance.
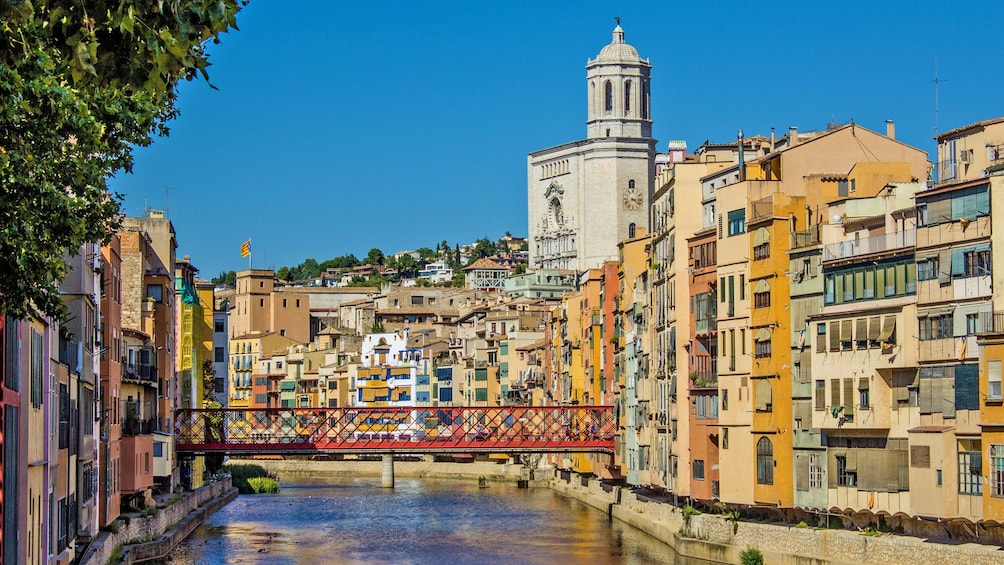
(632, 199)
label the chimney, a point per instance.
(772, 141)
(890, 129)
(792, 136)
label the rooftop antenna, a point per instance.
(166, 189)
(937, 81)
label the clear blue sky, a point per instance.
(337, 128)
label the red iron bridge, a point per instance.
(299, 431)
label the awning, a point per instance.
(763, 334)
(861, 329)
(936, 312)
(761, 286)
(888, 328)
(874, 325)
(761, 237)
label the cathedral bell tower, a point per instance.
(619, 95)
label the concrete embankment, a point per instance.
(142, 537)
(708, 537)
(415, 469)
(714, 538)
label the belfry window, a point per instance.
(608, 96)
(627, 98)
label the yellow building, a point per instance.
(992, 421)
(245, 351)
(636, 386)
(780, 193)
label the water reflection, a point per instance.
(354, 521)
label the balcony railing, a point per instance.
(991, 323)
(948, 170)
(805, 238)
(137, 372)
(137, 427)
(869, 245)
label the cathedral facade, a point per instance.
(586, 196)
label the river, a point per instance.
(354, 521)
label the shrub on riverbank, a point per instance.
(265, 485)
(751, 556)
(243, 474)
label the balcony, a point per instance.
(869, 245)
(991, 323)
(704, 326)
(704, 379)
(805, 238)
(761, 209)
(138, 372)
(947, 170)
(137, 427)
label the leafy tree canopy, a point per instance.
(374, 257)
(228, 278)
(83, 82)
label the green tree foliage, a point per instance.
(341, 262)
(407, 266)
(374, 257)
(225, 278)
(483, 247)
(426, 254)
(82, 82)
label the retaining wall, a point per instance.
(147, 533)
(714, 538)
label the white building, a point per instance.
(436, 272)
(387, 373)
(586, 196)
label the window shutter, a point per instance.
(925, 392)
(846, 330)
(802, 471)
(834, 330)
(861, 331)
(834, 392)
(948, 396)
(920, 456)
(820, 395)
(874, 328)
(849, 397)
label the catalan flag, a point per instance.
(246, 248)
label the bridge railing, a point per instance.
(404, 429)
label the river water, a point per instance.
(354, 521)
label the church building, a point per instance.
(586, 196)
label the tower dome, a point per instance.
(619, 98)
(618, 51)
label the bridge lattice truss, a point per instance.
(396, 430)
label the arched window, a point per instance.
(764, 462)
(631, 230)
(608, 96)
(764, 402)
(631, 184)
(627, 98)
(644, 100)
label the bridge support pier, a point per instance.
(387, 477)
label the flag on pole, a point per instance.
(246, 248)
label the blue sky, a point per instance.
(340, 127)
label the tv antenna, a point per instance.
(937, 81)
